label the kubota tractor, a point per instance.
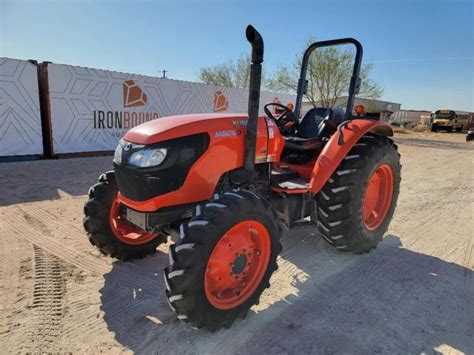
(224, 186)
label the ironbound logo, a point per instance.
(220, 102)
(133, 96)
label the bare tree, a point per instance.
(233, 74)
(328, 75)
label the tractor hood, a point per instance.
(171, 127)
(199, 150)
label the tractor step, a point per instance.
(282, 174)
(294, 185)
(303, 224)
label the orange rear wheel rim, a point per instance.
(125, 231)
(378, 197)
(237, 265)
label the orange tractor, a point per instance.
(225, 186)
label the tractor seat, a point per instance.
(300, 143)
(313, 128)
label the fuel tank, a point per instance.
(146, 190)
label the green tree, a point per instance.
(328, 75)
(233, 74)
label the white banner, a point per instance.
(20, 120)
(91, 108)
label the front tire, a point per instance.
(223, 260)
(105, 229)
(434, 128)
(356, 205)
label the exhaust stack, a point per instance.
(256, 41)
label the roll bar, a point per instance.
(355, 79)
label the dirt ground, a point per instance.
(413, 294)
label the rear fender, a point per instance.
(333, 153)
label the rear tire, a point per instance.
(97, 223)
(340, 203)
(191, 273)
(434, 128)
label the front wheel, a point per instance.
(434, 128)
(356, 205)
(223, 260)
(108, 230)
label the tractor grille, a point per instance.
(140, 184)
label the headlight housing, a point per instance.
(118, 152)
(148, 157)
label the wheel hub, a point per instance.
(378, 197)
(237, 265)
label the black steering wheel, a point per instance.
(285, 117)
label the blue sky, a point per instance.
(422, 50)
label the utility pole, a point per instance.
(164, 73)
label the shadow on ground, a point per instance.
(391, 300)
(42, 180)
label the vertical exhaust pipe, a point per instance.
(256, 41)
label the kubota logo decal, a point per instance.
(133, 95)
(220, 102)
(240, 123)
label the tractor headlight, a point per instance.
(118, 152)
(146, 158)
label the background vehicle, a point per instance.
(224, 186)
(470, 135)
(447, 120)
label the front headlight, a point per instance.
(146, 158)
(118, 152)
